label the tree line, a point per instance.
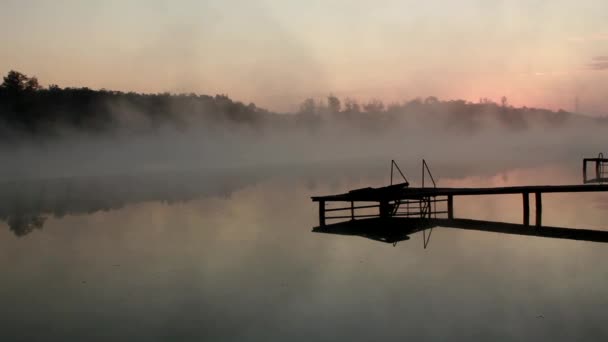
(29, 107)
(26, 106)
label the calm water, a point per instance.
(229, 255)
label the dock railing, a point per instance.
(424, 207)
(601, 175)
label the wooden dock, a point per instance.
(401, 200)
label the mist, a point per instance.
(118, 133)
(230, 147)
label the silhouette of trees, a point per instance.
(374, 106)
(308, 107)
(431, 100)
(15, 82)
(28, 107)
(351, 106)
(333, 104)
(503, 101)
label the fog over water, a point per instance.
(161, 163)
(217, 146)
(231, 256)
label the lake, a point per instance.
(224, 255)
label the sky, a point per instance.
(277, 53)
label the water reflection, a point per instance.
(171, 258)
(26, 205)
(393, 230)
(378, 229)
(23, 224)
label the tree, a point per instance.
(351, 105)
(431, 100)
(308, 107)
(374, 106)
(333, 104)
(32, 84)
(503, 101)
(15, 81)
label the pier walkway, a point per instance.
(401, 200)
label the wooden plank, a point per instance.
(348, 216)
(417, 193)
(352, 206)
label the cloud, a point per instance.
(599, 63)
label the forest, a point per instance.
(28, 109)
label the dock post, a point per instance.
(597, 170)
(584, 170)
(352, 210)
(322, 213)
(539, 208)
(384, 208)
(526, 198)
(450, 207)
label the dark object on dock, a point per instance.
(400, 200)
(393, 230)
(600, 174)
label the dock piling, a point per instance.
(526, 199)
(384, 209)
(450, 207)
(539, 208)
(584, 170)
(322, 213)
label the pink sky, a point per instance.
(276, 53)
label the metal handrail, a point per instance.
(426, 166)
(393, 165)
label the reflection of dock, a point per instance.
(392, 230)
(400, 200)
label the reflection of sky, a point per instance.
(277, 52)
(246, 264)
